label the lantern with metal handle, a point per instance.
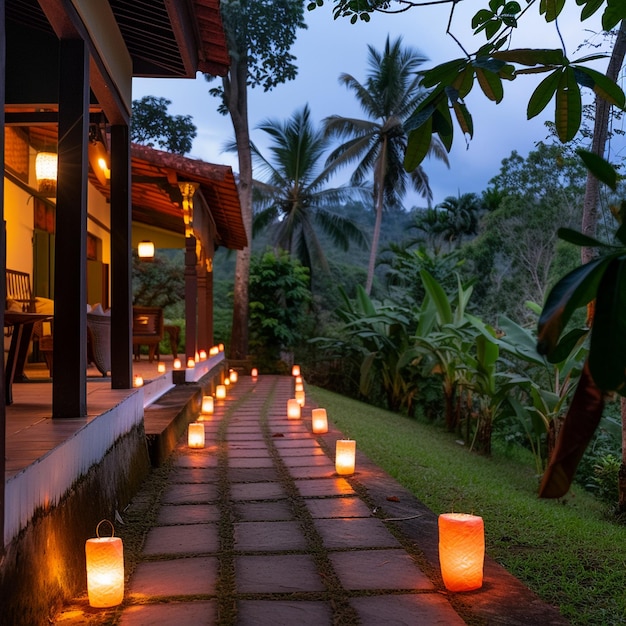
(105, 569)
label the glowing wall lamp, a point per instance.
(145, 249)
(319, 421)
(46, 172)
(461, 551)
(345, 453)
(105, 569)
(195, 435)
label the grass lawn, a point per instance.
(564, 550)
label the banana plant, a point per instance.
(599, 285)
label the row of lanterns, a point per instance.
(461, 536)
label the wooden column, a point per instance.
(191, 298)
(3, 267)
(69, 384)
(121, 260)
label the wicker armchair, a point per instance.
(99, 336)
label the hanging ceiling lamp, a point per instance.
(46, 172)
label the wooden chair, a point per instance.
(147, 330)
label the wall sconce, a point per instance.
(319, 421)
(145, 250)
(195, 435)
(46, 167)
(345, 453)
(295, 370)
(161, 367)
(105, 569)
(300, 397)
(233, 376)
(461, 551)
(220, 392)
(177, 364)
(207, 405)
(293, 409)
(99, 161)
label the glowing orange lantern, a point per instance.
(295, 370)
(202, 355)
(319, 421)
(138, 381)
(161, 367)
(300, 397)
(299, 379)
(213, 351)
(299, 387)
(293, 409)
(461, 551)
(195, 435)
(220, 392)
(233, 376)
(177, 364)
(191, 363)
(345, 453)
(254, 372)
(207, 405)
(105, 569)
(220, 347)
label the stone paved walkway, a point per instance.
(258, 529)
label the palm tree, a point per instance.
(294, 201)
(461, 217)
(388, 97)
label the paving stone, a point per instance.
(425, 609)
(283, 573)
(187, 514)
(287, 452)
(281, 442)
(250, 462)
(252, 475)
(190, 493)
(379, 569)
(355, 533)
(310, 460)
(187, 539)
(337, 507)
(181, 613)
(175, 577)
(256, 491)
(324, 487)
(193, 475)
(251, 453)
(322, 471)
(198, 460)
(269, 536)
(281, 613)
(263, 511)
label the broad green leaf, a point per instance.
(575, 289)
(444, 73)
(418, 143)
(442, 125)
(615, 12)
(464, 82)
(551, 9)
(519, 341)
(591, 6)
(494, 5)
(567, 344)
(438, 296)
(492, 27)
(481, 17)
(599, 167)
(607, 349)
(569, 108)
(491, 84)
(579, 239)
(531, 56)
(511, 8)
(601, 85)
(464, 118)
(543, 94)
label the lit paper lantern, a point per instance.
(138, 381)
(105, 570)
(461, 551)
(213, 351)
(177, 364)
(233, 376)
(319, 421)
(195, 435)
(295, 370)
(202, 355)
(220, 392)
(300, 397)
(220, 347)
(207, 405)
(299, 379)
(191, 363)
(161, 367)
(299, 387)
(345, 453)
(293, 409)
(254, 372)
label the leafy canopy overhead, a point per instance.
(451, 82)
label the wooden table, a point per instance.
(22, 324)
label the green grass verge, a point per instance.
(566, 550)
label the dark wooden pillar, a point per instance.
(3, 267)
(69, 384)
(191, 297)
(203, 310)
(121, 260)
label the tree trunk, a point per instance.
(379, 186)
(598, 144)
(236, 99)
